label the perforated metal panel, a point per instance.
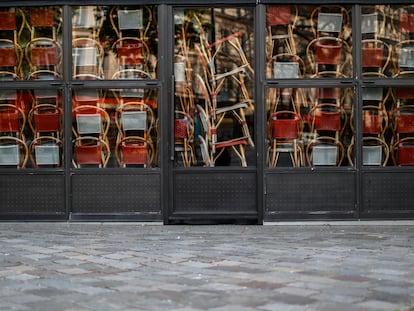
(215, 192)
(310, 193)
(116, 194)
(32, 194)
(387, 192)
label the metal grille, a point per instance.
(310, 193)
(215, 192)
(111, 194)
(32, 194)
(387, 192)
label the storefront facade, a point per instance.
(206, 111)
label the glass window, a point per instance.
(402, 120)
(30, 43)
(32, 128)
(114, 42)
(214, 79)
(308, 41)
(115, 128)
(309, 127)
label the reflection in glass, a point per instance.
(308, 127)
(31, 120)
(109, 42)
(115, 128)
(317, 38)
(213, 87)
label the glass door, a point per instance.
(214, 112)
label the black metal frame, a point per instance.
(371, 193)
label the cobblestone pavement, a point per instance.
(134, 266)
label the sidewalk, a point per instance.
(278, 266)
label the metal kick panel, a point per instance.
(215, 192)
(32, 194)
(116, 194)
(388, 192)
(313, 192)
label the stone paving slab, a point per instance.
(141, 266)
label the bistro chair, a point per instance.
(44, 22)
(403, 152)
(46, 151)
(134, 146)
(45, 120)
(12, 121)
(375, 151)
(87, 21)
(281, 21)
(324, 151)
(87, 57)
(13, 152)
(403, 24)
(11, 53)
(328, 52)
(288, 66)
(218, 117)
(184, 138)
(91, 128)
(376, 54)
(131, 47)
(286, 129)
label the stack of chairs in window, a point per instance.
(226, 100)
(403, 24)
(44, 51)
(135, 120)
(329, 53)
(184, 123)
(376, 53)
(375, 150)
(44, 56)
(131, 46)
(403, 113)
(285, 124)
(87, 51)
(134, 116)
(13, 149)
(327, 119)
(90, 129)
(403, 117)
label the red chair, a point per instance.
(403, 152)
(328, 53)
(281, 21)
(327, 119)
(90, 130)
(91, 151)
(184, 138)
(42, 19)
(374, 121)
(131, 47)
(45, 119)
(12, 121)
(134, 146)
(286, 129)
(11, 53)
(135, 150)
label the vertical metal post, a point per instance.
(357, 69)
(260, 122)
(166, 142)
